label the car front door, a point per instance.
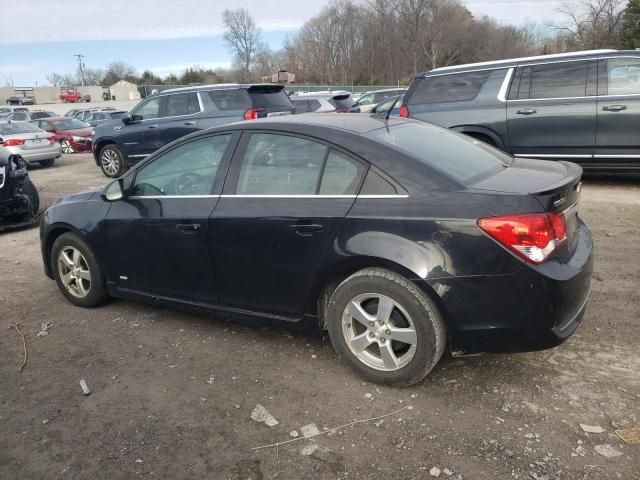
(618, 139)
(551, 111)
(157, 236)
(141, 136)
(282, 207)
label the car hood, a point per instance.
(107, 126)
(80, 132)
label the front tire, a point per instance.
(66, 146)
(30, 190)
(111, 162)
(385, 327)
(77, 271)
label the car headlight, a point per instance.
(79, 139)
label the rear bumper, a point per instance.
(36, 155)
(536, 308)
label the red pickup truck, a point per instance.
(70, 96)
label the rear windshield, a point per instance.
(342, 101)
(461, 158)
(70, 124)
(269, 98)
(17, 128)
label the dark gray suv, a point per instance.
(171, 114)
(583, 106)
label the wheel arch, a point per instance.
(477, 131)
(100, 144)
(54, 232)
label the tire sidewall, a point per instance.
(121, 168)
(420, 308)
(97, 292)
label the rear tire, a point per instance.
(111, 161)
(397, 345)
(47, 163)
(77, 271)
(29, 189)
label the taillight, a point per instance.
(252, 113)
(532, 236)
(404, 111)
(12, 142)
(341, 110)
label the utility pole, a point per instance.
(80, 67)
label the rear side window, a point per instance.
(341, 175)
(555, 80)
(456, 156)
(623, 76)
(19, 116)
(457, 87)
(268, 98)
(35, 115)
(314, 105)
(182, 104)
(301, 106)
(232, 99)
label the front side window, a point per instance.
(456, 87)
(280, 165)
(559, 80)
(187, 170)
(182, 104)
(149, 109)
(623, 76)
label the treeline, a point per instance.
(387, 41)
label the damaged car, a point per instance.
(19, 199)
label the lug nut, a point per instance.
(388, 332)
(382, 339)
(371, 324)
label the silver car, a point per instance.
(323, 102)
(33, 144)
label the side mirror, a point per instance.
(114, 191)
(128, 118)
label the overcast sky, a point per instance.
(39, 36)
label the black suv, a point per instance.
(171, 114)
(583, 106)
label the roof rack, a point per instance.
(525, 59)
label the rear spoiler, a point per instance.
(266, 88)
(342, 96)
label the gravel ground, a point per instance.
(172, 393)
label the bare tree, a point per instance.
(242, 37)
(592, 23)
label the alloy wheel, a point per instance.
(110, 162)
(66, 146)
(379, 332)
(74, 272)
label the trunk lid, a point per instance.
(555, 185)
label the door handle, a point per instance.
(153, 126)
(614, 108)
(188, 228)
(306, 229)
(189, 123)
(527, 111)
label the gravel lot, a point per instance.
(172, 393)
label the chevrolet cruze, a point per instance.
(399, 238)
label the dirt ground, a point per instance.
(172, 393)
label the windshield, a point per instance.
(17, 128)
(461, 158)
(70, 124)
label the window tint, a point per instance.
(149, 109)
(314, 105)
(448, 88)
(341, 175)
(301, 106)
(231, 99)
(280, 165)
(182, 104)
(559, 80)
(461, 158)
(187, 170)
(266, 98)
(623, 76)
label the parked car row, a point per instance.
(30, 142)
(20, 100)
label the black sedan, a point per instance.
(397, 237)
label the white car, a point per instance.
(369, 100)
(323, 102)
(33, 144)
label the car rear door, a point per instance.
(180, 117)
(618, 139)
(282, 206)
(157, 236)
(551, 110)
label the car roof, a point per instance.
(512, 62)
(218, 86)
